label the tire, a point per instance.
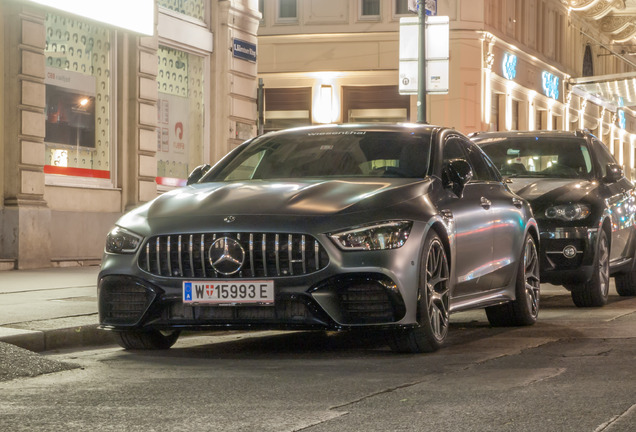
(626, 284)
(595, 291)
(523, 311)
(146, 340)
(432, 303)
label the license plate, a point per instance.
(229, 292)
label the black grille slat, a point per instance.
(266, 255)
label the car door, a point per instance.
(473, 220)
(619, 198)
(506, 209)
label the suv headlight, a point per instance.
(122, 241)
(568, 212)
(379, 236)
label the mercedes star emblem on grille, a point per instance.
(226, 255)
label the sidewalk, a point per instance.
(48, 309)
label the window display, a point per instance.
(192, 8)
(78, 98)
(180, 110)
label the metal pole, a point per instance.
(260, 106)
(421, 64)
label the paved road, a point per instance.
(573, 371)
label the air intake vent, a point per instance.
(122, 300)
(266, 255)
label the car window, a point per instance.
(560, 157)
(603, 156)
(481, 166)
(457, 148)
(346, 153)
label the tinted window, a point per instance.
(341, 153)
(603, 156)
(561, 157)
(481, 167)
(457, 148)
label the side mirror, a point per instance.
(456, 174)
(614, 173)
(198, 173)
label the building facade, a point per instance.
(97, 118)
(514, 65)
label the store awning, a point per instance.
(609, 91)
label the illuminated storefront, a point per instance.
(512, 67)
(105, 106)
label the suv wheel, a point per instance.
(594, 292)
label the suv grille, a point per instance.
(266, 255)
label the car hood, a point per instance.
(551, 189)
(281, 198)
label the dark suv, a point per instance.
(583, 204)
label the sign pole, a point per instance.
(421, 72)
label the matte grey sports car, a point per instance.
(584, 205)
(337, 227)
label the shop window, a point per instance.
(514, 111)
(370, 9)
(494, 112)
(78, 101)
(540, 120)
(191, 8)
(588, 62)
(390, 115)
(180, 109)
(374, 104)
(287, 107)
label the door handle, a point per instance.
(517, 202)
(485, 203)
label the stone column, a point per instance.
(137, 117)
(25, 217)
(234, 80)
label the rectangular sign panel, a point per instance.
(437, 55)
(244, 50)
(409, 42)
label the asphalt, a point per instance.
(50, 309)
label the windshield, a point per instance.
(560, 157)
(329, 154)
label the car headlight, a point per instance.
(383, 235)
(121, 241)
(568, 212)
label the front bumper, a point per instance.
(341, 301)
(567, 254)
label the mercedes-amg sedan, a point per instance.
(390, 228)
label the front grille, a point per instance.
(123, 301)
(553, 258)
(266, 255)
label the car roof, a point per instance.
(367, 127)
(477, 136)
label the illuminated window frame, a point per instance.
(86, 177)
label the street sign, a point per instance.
(437, 55)
(244, 50)
(431, 6)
